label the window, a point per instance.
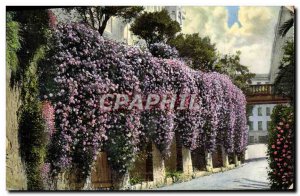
(263, 139)
(251, 139)
(259, 111)
(251, 112)
(268, 125)
(260, 125)
(258, 83)
(268, 111)
(250, 123)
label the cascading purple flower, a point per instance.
(89, 66)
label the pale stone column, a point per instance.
(125, 182)
(158, 165)
(209, 163)
(246, 155)
(187, 161)
(61, 183)
(236, 160)
(225, 157)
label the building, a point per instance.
(261, 79)
(262, 85)
(259, 117)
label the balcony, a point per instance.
(260, 89)
(264, 94)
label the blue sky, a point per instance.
(233, 12)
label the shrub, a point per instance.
(175, 175)
(135, 180)
(12, 42)
(281, 148)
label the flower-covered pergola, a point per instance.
(89, 66)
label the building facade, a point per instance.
(259, 122)
(259, 117)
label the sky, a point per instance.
(247, 29)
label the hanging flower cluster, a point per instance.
(157, 79)
(82, 78)
(223, 113)
(280, 148)
(48, 115)
(89, 67)
(46, 177)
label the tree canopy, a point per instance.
(199, 52)
(230, 65)
(98, 16)
(155, 27)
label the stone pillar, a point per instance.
(187, 161)
(125, 181)
(246, 155)
(158, 166)
(61, 182)
(208, 159)
(236, 160)
(225, 157)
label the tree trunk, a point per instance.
(103, 25)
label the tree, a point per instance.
(155, 27)
(285, 27)
(98, 16)
(199, 52)
(285, 80)
(230, 65)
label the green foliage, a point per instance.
(34, 32)
(285, 80)
(32, 142)
(199, 52)
(135, 180)
(175, 175)
(155, 27)
(98, 16)
(12, 42)
(31, 125)
(32, 28)
(281, 148)
(238, 73)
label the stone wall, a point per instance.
(15, 169)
